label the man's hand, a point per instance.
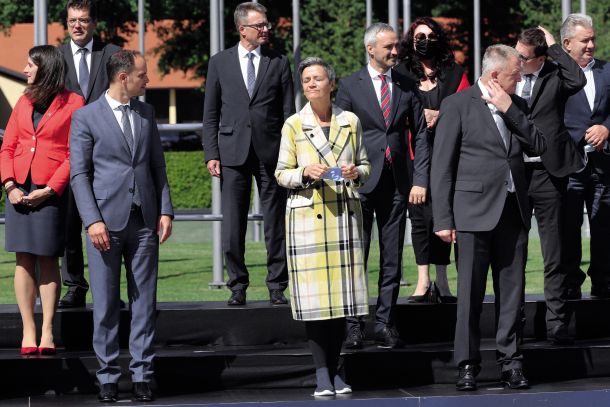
(431, 116)
(98, 233)
(164, 228)
(417, 195)
(315, 171)
(214, 168)
(35, 197)
(497, 96)
(447, 235)
(550, 40)
(597, 135)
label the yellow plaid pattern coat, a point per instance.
(324, 218)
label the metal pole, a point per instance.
(218, 267)
(141, 33)
(406, 16)
(369, 21)
(221, 20)
(296, 49)
(40, 22)
(566, 9)
(477, 39)
(583, 6)
(393, 14)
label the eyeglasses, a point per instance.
(82, 21)
(429, 37)
(259, 26)
(523, 58)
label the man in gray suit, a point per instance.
(120, 185)
(479, 197)
(86, 59)
(248, 96)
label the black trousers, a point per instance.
(236, 188)
(548, 198)
(73, 267)
(389, 205)
(427, 247)
(593, 190)
(504, 249)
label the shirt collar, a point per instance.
(242, 52)
(536, 74)
(589, 66)
(375, 75)
(75, 47)
(114, 104)
(485, 93)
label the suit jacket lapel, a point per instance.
(262, 69)
(368, 92)
(57, 103)
(339, 132)
(540, 82)
(598, 79)
(137, 125)
(316, 137)
(486, 115)
(67, 50)
(235, 68)
(97, 55)
(397, 94)
(114, 125)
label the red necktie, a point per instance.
(385, 109)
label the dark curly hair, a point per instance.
(412, 60)
(49, 80)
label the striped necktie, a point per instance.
(385, 109)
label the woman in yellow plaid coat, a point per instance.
(322, 161)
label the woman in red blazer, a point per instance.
(35, 170)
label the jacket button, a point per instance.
(311, 135)
(347, 184)
(351, 213)
(505, 182)
(33, 137)
(131, 190)
(32, 149)
(319, 216)
(317, 186)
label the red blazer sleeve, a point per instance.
(10, 142)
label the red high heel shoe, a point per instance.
(28, 351)
(46, 351)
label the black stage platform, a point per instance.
(209, 353)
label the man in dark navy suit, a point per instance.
(587, 118)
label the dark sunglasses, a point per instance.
(429, 37)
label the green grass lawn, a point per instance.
(185, 268)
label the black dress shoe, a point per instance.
(74, 298)
(238, 297)
(277, 297)
(600, 292)
(142, 392)
(355, 337)
(429, 297)
(573, 293)
(388, 338)
(467, 376)
(514, 379)
(109, 393)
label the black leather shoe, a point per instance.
(573, 293)
(238, 297)
(429, 297)
(388, 338)
(467, 375)
(142, 392)
(74, 298)
(277, 297)
(355, 337)
(514, 379)
(109, 393)
(600, 292)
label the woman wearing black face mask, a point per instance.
(426, 57)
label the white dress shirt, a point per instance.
(118, 113)
(504, 132)
(590, 86)
(519, 92)
(243, 61)
(78, 55)
(377, 82)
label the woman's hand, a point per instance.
(431, 117)
(315, 171)
(349, 171)
(36, 197)
(15, 196)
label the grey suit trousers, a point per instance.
(138, 246)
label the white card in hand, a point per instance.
(333, 173)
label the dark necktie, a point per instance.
(526, 93)
(130, 142)
(83, 71)
(385, 109)
(251, 75)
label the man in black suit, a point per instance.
(386, 104)
(86, 59)
(248, 95)
(546, 85)
(587, 118)
(479, 199)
